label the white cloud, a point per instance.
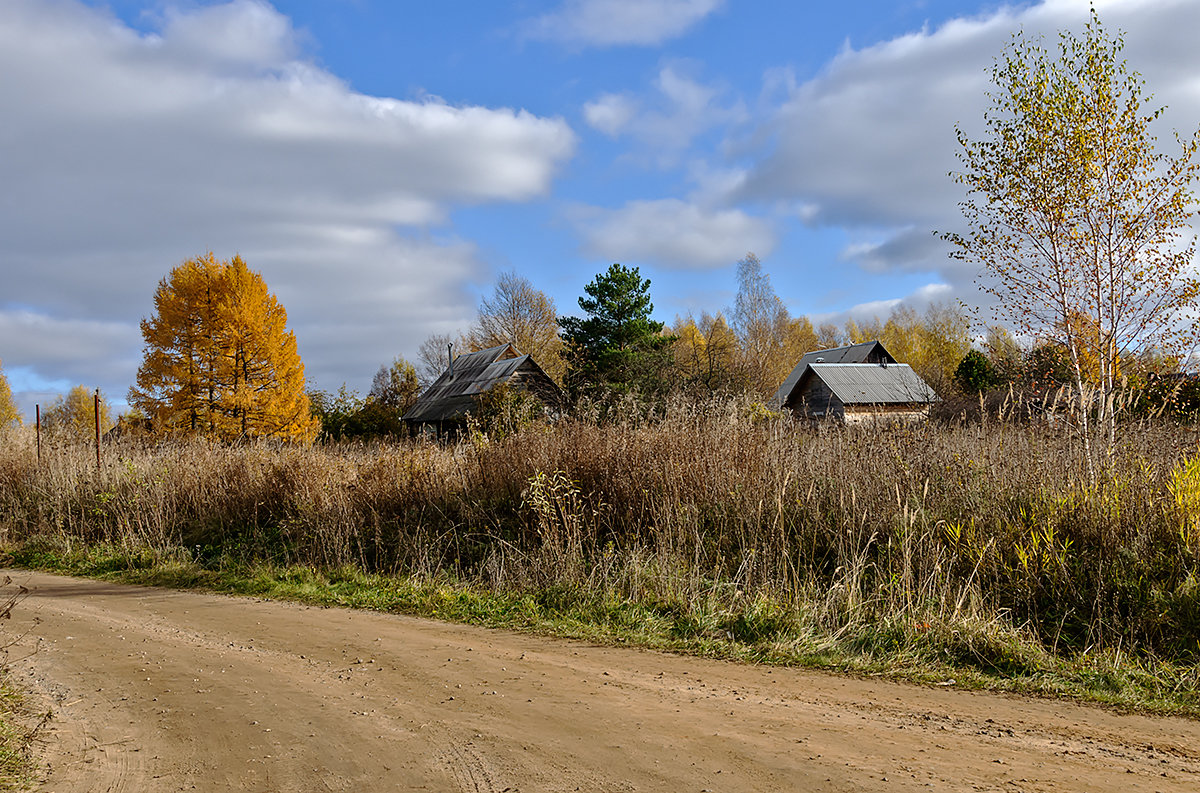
(603, 23)
(673, 234)
(82, 345)
(122, 153)
(244, 33)
(919, 300)
(82, 352)
(680, 109)
(610, 114)
(871, 140)
(702, 232)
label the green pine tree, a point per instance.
(617, 346)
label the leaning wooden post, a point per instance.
(37, 412)
(96, 400)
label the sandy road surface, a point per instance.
(155, 690)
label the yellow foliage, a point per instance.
(521, 315)
(219, 360)
(1099, 357)
(801, 338)
(689, 348)
(74, 415)
(706, 352)
(932, 343)
(1185, 489)
(9, 414)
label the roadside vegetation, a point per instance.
(977, 551)
(16, 764)
(19, 724)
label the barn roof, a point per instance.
(872, 383)
(453, 394)
(851, 353)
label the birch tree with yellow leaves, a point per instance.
(219, 360)
(517, 313)
(706, 352)
(73, 415)
(1079, 226)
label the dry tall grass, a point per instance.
(926, 527)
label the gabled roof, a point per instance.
(453, 394)
(851, 353)
(871, 383)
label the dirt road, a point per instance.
(155, 690)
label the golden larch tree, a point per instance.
(9, 415)
(219, 360)
(178, 382)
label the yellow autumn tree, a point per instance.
(705, 353)
(73, 416)
(1096, 356)
(518, 313)
(219, 360)
(801, 338)
(689, 347)
(9, 415)
(762, 325)
(932, 343)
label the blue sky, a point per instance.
(381, 162)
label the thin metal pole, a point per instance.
(97, 406)
(37, 410)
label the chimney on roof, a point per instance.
(450, 357)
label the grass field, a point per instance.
(981, 553)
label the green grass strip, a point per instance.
(18, 727)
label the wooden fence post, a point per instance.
(97, 406)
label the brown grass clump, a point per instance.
(916, 531)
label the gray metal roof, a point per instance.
(453, 394)
(872, 383)
(851, 353)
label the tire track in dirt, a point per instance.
(469, 770)
(159, 690)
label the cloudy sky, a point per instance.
(380, 163)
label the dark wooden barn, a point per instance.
(855, 383)
(445, 404)
(866, 352)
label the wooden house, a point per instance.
(866, 352)
(445, 404)
(854, 384)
